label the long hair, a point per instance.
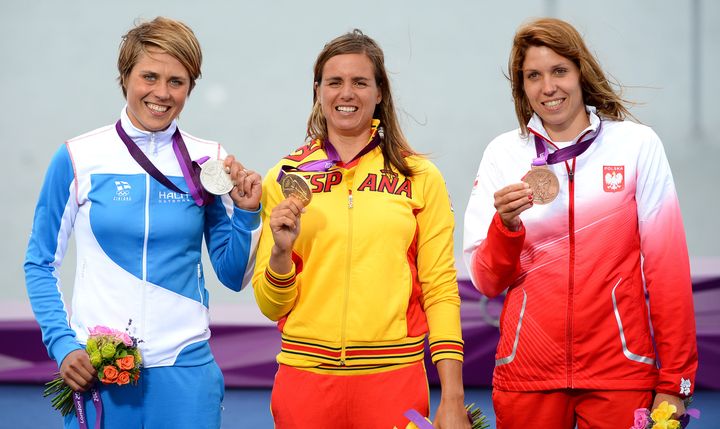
(170, 36)
(394, 145)
(565, 40)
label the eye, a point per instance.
(532, 75)
(150, 77)
(334, 83)
(176, 83)
(360, 84)
(560, 71)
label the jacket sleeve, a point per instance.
(436, 268)
(232, 236)
(275, 294)
(666, 269)
(52, 226)
(490, 250)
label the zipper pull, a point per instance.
(571, 176)
(153, 144)
(350, 199)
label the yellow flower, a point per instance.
(667, 424)
(663, 411)
(661, 416)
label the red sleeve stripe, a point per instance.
(279, 281)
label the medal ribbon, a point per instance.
(418, 419)
(322, 165)
(563, 154)
(190, 169)
(80, 410)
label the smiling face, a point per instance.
(348, 94)
(156, 87)
(551, 84)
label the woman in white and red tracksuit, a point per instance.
(579, 343)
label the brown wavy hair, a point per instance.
(565, 40)
(170, 36)
(394, 145)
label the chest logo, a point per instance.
(122, 191)
(387, 182)
(613, 178)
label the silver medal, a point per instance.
(214, 178)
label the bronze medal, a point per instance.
(544, 184)
(295, 184)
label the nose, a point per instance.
(162, 91)
(548, 86)
(346, 92)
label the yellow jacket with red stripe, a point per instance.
(373, 266)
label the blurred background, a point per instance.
(447, 62)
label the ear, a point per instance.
(316, 89)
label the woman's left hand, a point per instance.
(672, 400)
(451, 415)
(248, 185)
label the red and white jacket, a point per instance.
(578, 272)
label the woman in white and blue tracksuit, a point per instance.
(139, 243)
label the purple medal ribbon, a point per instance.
(418, 419)
(190, 169)
(80, 408)
(563, 154)
(322, 165)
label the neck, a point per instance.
(348, 146)
(570, 131)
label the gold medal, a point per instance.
(544, 184)
(295, 184)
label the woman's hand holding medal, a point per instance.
(230, 177)
(512, 200)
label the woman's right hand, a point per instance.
(77, 371)
(285, 223)
(512, 200)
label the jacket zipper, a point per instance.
(571, 272)
(343, 338)
(144, 256)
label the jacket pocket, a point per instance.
(633, 325)
(510, 326)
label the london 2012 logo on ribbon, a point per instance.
(613, 178)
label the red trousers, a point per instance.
(303, 399)
(562, 409)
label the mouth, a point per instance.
(346, 109)
(156, 107)
(553, 104)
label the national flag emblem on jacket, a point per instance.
(613, 178)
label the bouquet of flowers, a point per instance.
(660, 417)
(477, 419)
(115, 356)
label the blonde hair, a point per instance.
(394, 145)
(170, 36)
(565, 40)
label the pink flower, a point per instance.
(101, 330)
(641, 418)
(124, 337)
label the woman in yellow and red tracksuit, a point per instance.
(578, 341)
(370, 273)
